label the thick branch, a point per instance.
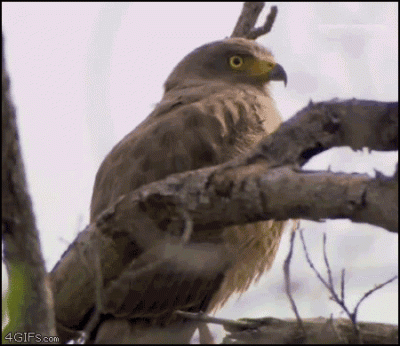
(215, 198)
(319, 330)
(325, 125)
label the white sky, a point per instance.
(85, 74)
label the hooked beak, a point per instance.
(278, 73)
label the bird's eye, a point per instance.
(236, 62)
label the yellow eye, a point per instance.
(236, 62)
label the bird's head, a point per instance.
(232, 60)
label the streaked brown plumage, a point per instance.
(216, 105)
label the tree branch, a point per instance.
(245, 26)
(319, 330)
(29, 299)
(260, 185)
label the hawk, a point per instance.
(216, 105)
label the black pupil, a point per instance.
(236, 61)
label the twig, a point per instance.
(286, 271)
(328, 267)
(330, 287)
(341, 301)
(266, 28)
(342, 284)
(377, 287)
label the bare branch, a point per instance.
(29, 298)
(245, 26)
(325, 125)
(247, 19)
(328, 267)
(266, 28)
(340, 301)
(319, 331)
(342, 284)
(376, 288)
(286, 270)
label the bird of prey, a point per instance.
(216, 105)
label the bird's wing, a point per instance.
(168, 277)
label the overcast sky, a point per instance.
(85, 74)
